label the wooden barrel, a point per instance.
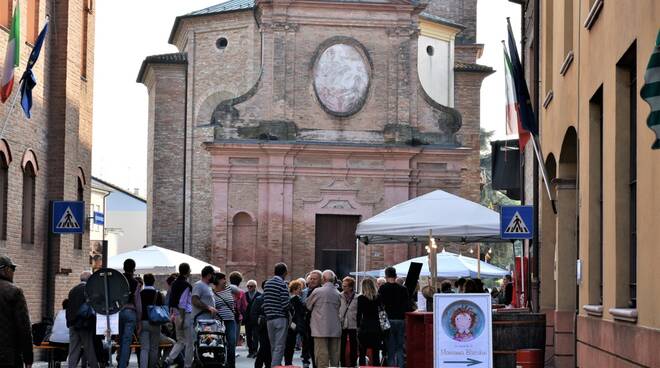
(513, 331)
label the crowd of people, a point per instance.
(319, 315)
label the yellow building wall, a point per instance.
(596, 53)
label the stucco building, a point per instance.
(597, 259)
(47, 157)
(125, 215)
(279, 125)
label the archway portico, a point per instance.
(566, 251)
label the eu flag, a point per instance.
(527, 119)
(28, 80)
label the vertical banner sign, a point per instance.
(462, 331)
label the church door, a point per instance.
(335, 243)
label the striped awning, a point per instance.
(651, 92)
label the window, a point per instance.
(32, 20)
(596, 168)
(221, 43)
(548, 57)
(626, 179)
(87, 8)
(5, 13)
(632, 251)
(29, 181)
(78, 238)
(4, 181)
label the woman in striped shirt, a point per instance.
(224, 303)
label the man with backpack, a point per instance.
(81, 321)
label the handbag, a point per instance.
(383, 319)
(157, 314)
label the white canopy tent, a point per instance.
(448, 217)
(435, 215)
(450, 266)
(157, 260)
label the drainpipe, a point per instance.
(104, 246)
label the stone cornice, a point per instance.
(402, 31)
(334, 150)
(279, 27)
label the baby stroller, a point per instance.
(210, 344)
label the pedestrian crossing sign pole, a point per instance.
(68, 217)
(517, 222)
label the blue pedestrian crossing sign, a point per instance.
(68, 217)
(516, 222)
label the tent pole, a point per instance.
(478, 260)
(357, 263)
(433, 259)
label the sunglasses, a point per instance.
(11, 267)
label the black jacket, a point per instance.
(257, 310)
(250, 305)
(77, 297)
(395, 300)
(299, 313)
(15, 331)
(178, 287)
(149, 297)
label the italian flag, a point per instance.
(513, 122)
(12, 58)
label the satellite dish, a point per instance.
(117, 291)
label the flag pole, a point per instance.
(544, 172)
(11, 109)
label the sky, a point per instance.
(124, 38)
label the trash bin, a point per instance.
(513, 332)
(529, 358)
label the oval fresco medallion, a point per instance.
(341, 79)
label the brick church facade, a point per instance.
(281, 124)
(47, 157)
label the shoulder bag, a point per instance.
(383, 319)
(157, 314)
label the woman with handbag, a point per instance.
(224, 304)
(370, 335)
(153, 314)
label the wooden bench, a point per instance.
(50, 349)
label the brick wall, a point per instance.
(223, 178)
(165, 148)
(60, 135)
(463, 12)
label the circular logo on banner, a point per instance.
(341, 79)
(463, 321)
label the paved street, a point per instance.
(241, 362)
